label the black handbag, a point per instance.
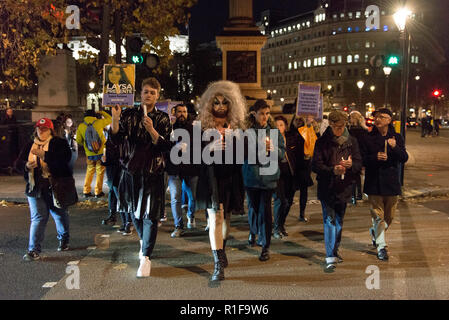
(64, 191)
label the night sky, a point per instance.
(209, 16)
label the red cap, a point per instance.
(45, 122)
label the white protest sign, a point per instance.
(308, 99)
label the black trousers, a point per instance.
(283, 200)
(260, 215)
(147, 231)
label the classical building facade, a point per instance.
(333, 46)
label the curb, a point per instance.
(426, 192)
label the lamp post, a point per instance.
(360, 85)
(417, 78)
(387, 72)
(400, 18)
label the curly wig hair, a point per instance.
(237, 107)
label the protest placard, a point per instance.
(308, 101)
(118, 84)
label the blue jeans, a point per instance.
(333, 225)
(40, 208)
(177, 185)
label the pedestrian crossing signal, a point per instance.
(393, 60)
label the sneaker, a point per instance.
(303, 219)
(127, 230)
(63, 245)
(191, 223)
(339, 258)
(101, 194)
(31, 256)
(109, 220)
(251, 239)
(382, 255)
(330, 267)
(373, 237)
(277, 235)
(87, 195)
(284, 233)
(122, 229)
(144, 268)
(163, 219)
(178, 232)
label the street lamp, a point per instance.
(372, 88)
(360, 85)
(400, 18)
(387, 72)
(417, 78)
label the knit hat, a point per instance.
(384, 111)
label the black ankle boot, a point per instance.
(63, 245)
(224, 259)
(218, 274)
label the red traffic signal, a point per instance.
(436, 93)
(345, 109)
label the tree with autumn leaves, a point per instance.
(31, 29)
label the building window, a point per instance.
(289, 66)
(350, 15)
(385, 28)
(358, 14)
(338, 87)
(349, 72)
(367, 72)
(356, 72)
(309, 63)
(333, 73)
(295, 65)
(366, 58)
(356, 58)
(367, 44)
(333, 60)
(349, 59)
(324, 61)
(339, 59)
(357, 29)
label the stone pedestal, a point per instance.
(241, 43)
(57, 90)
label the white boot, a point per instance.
(144, 268)
(140, 252)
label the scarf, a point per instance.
(343, 138)
(38, 144)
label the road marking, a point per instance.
(435, 211)
(105, 236)
(91, 248)
(73, 263)
(49, 284)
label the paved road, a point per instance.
(182, 267)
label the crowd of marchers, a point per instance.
(133, 147)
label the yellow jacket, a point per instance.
(99, 125)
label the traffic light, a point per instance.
(393, 60)
(133, 50)
(436, 93)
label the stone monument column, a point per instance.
(57, 90)
(241, 42)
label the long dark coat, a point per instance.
(383, 177)
(141, 185)
(328, 153)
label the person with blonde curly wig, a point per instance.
(220, 186)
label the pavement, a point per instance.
(105, 262)
(426, 173)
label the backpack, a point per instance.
(92, 138)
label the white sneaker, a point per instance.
(144, 268)
(191, 223)
(141, 252)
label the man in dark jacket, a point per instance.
(336, 161)
(383, 153)
(183, 176)
(143, 135)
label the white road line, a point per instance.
(91, 248)
(49, 284)
(73, 263)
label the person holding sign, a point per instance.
(336, 162)
(383, 152)
(142, 135)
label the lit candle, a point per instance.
(144, 106)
